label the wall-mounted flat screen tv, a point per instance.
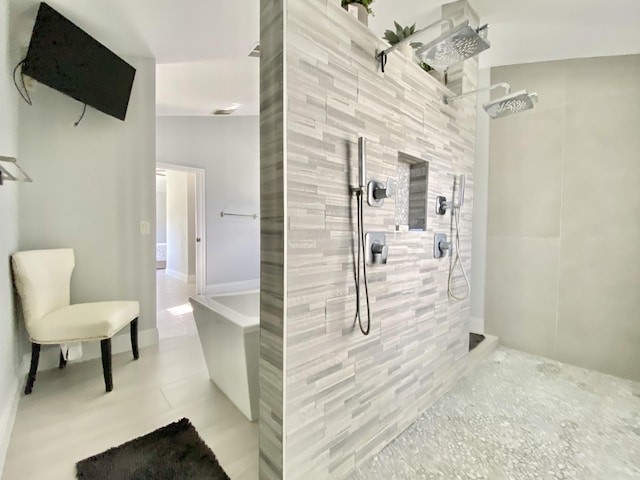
(67, 59)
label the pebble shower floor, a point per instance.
(519, 416)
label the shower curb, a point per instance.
(481, 352)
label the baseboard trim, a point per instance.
(183, 277)
(476, 325)
(7, 419)
(217, 288)
(120, 343)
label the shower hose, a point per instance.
(457, 260)
(361, 259)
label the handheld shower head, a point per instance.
(362, 162)
(513, 103)
(461, 183)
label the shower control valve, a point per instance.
(380, 253)
(378, 191)
(376, 249)
(441, 247)
(386, 192)
(442, 205)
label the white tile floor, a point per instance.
(174, 317)
(69, 417)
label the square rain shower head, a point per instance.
(453, 46)
(513, 103)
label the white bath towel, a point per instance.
(71, 351)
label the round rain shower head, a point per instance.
(453, 46)
(513, 103)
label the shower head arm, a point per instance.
(381, 55)
(506, 86)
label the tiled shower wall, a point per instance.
(346, 395)
(272, 235)
(563, 245)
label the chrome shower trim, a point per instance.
(506, 105)
(362, 163)
(509, 104)
(448, 20)
(454, 46)
(506, 86)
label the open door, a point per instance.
(196, 238)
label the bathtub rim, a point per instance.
(247, 323)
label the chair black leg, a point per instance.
(105, 346)
(31, 378)
(134, 338)
(63, 361)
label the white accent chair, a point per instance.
(43, 282)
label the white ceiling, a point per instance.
(198, 88)
(201, 46)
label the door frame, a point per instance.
(201, 221)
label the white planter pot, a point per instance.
(359, 11)
(437, 75)
(406, 50)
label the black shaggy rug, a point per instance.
(173, 452)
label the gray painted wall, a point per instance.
(92, 186)
(228, 149)
(11, 342)
(161, 209)
(177, 224)
(191, 223)
(563, 253)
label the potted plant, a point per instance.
(400, 34)
(361, 9)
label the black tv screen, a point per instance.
(69, 60)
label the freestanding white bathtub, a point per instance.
(229, 329)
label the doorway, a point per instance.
(180, 247)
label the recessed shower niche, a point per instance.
(411, 196)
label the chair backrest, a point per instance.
(43, 280)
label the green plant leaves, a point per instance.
(400, 34)
(391, 37)
(425, 66)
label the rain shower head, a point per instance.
(453, 46)
(503, 106)
(513, 103)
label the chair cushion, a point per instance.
(42, 279)
(83, 322)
